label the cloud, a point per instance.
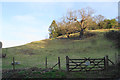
(23, 38)
(25, 19)
(23, 29)
(18, 36)
(11, 43)
(29, 29)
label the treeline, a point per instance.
(79, 21)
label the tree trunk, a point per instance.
(81, 33)
(68, 36)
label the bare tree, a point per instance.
(66, 27)
(100, 21)
(81, 17)
(99, 18)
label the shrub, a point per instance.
(114, 36)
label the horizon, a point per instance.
(25, 22)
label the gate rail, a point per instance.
(87, 64)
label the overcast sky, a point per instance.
(24, 22)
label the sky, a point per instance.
(24, 22)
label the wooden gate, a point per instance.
(86, 64)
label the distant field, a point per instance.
(103, 30)
(33, 54)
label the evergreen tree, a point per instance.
(53, 29)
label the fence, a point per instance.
(87, 64)
(76, 65)
(58, 63)
(46, 63)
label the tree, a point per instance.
(67, 28)
(53, 30)
(99, 20)
(92, 24)
(110, 23)
(81, 17)
(113, 23)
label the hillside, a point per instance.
(33, 54)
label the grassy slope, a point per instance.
(34, 53)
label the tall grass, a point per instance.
(34, 53)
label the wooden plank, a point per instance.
(85, 67)
(90, 62)
(76, 67)
(111, 62)
(91, 68)
(88, 59)
(98, 62)
(55, 65)
(79, 64)
(76, 59)
(87, 70)
(83, 64)
(76, 62)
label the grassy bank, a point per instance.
(47, 73)
(33, 54)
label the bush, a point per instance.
(114, 36)
(89, 34)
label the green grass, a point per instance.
(60, 74)
(33, 54)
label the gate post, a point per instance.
(13, 64)
(116, 58)
(46, 62)
(67, 63)
(59, 63)
(106, 64)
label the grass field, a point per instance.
(33, 54)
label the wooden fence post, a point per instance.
(106, 62)
(116, 58)
(59, 63)
(46, 62)
(67, 63)
(13, 63)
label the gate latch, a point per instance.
(87, 63)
